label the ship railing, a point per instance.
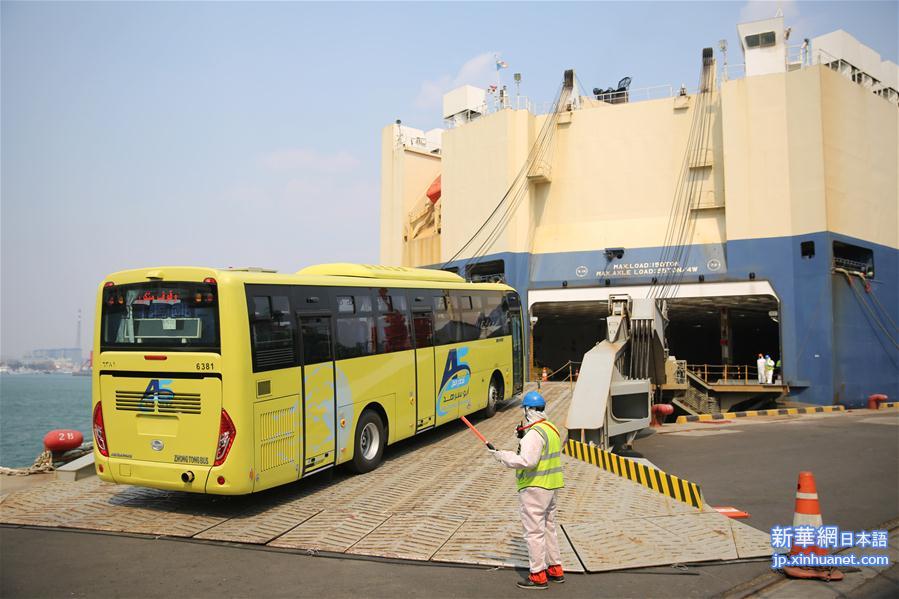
(848, 264)
(640, 94)
(496, 103)
(725, 374)
(569, 371)
(494, 278)
(733, 71)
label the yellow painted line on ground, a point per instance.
(757, 413)
(651, 478)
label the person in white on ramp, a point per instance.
(538, 470)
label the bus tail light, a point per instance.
(227, 432)
(99, 432)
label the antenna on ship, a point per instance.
(722, 45)
(517, 78)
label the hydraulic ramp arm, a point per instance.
(613, 395)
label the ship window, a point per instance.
(760, 40)
(853, 258)
(807, 248)
(487, 272)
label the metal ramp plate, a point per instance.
(607, 545)
(54, 503)
(702, 537)
(752, 542)
(334, 531)
(497, 543)
(437, 497)
(408, 536)
(260, 527)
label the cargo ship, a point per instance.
(760, 208)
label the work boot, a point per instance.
(555, 573)
(534, 581)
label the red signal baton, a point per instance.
(477, 433)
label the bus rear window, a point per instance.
(162, 316)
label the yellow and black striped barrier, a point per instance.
(651, 478)
(750, 413)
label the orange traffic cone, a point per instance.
(545, 375)
(808, 513)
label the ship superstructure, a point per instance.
(762, 207)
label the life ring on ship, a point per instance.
(63, 440)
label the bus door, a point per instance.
(517, 342)
(319, 397)
(423, 333)
(453, 373)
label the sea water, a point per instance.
(32, 405)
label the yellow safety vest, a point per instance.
(547, 474)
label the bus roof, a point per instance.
(375, 271)
(339, 274)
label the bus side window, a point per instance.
(272, 333)
(464, 317)
(471, 318)
(355, 326)
(316, 332)
(494, 319)
(444, 326)
(393, 324)
(424, 330)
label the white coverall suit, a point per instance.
(760, 365)
(537, 506)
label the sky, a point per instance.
(248, 134)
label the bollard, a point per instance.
(875, 400)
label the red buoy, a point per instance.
(63, 440)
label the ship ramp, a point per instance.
(439, 497)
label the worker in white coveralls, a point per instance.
(760, 365)
(769, 369)
(538, 470)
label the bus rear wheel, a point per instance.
(369, 444)
(494, 396)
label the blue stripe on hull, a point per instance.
(833, 350)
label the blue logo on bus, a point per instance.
(456, 375)
(158, 390)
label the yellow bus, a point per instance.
(234, 381)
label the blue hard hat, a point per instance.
(532, 399)
(768, 356)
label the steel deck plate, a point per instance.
(752, 542)
(439, 496)
(607, 545)
(260, 527)
(497, 543)
(410, 536)
(701, 537)
(334, 531)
